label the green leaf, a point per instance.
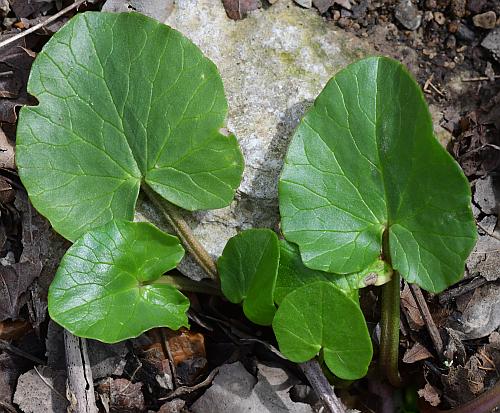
(293, 274)
(106, 286)
(123, 100)
(247, 268)
(319, 316)
(364, 160)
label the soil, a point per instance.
(444, 44)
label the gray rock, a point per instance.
(484, 196)
(157, 9)
(304, 3)
(34, 395)
(482, 314)
(235, 390)
(408, 15)
(273, 64)
(484, 260)
(492, 43)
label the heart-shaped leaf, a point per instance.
(320, 317)
(105, 286)
(293, 274)
(247, 268)
(123, 100)
(363, 162)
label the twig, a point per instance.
(491, 234)
(428, 83)
(461, 289)
(183, 231)
(80, 384)
(480, 78)
(4, 345)
(50, 386)
(8, 407)
(324, 390)
(42, 24)
(181, 391)
(426, 315)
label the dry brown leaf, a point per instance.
(416, 353)
(6, 152)
(412, 311)
(430, 395)
(237, 9)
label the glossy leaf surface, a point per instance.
(320, 317)
(293, 274)
(106, 286)
(364, 160)
(123, 100)
(247, 268)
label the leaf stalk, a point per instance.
(174, 218)
(389, 326)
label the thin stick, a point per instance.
(4, 345)
(42, 24)
(479, 79)
(182, 229)
(181, 391)
(429, 322)
(312, 370)
(49, 385)
(461, 289)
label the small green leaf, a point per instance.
(248, 267)
(293, 274)
(123, 100)
(319, 316)
(364, 160)
(105, 286)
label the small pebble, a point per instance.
(465, 33)
(344, 22)
(408, 15)
(439, 17)
(486, 20)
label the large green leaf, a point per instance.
(123, 100)
(105, 286)
(247, 268)
(364, 160)
(319, 316)
(293, 274)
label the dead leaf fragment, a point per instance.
(411, 309)
(416, 353)
(6, 152)
(323, 5)
(121, 395)
(188, 355)
(238, 9)
(14, 281)
(430, 395)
